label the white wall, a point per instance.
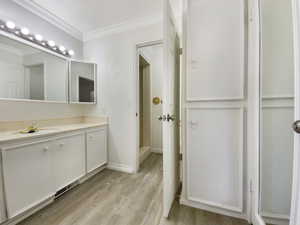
(34, 111)
(117, 84)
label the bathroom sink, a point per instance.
(38, 130)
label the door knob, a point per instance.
(296, 126)
(162, 118)
(170, 118)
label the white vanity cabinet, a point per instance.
(2, 205)
(36, 168)
(68, 160)
(96, 149)
(27, 176)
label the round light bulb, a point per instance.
(24, 31)
(71, 52)
(10, 25)
(62, 48)
(38, 37)
(51, 43)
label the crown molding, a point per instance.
(40, 11)
(121, 27)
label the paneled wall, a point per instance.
(214, 106)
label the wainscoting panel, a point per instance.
(215, 140)
(216, 44)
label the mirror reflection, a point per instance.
(29, 73)
(277, 111)
(82, 85)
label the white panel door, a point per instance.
(68, 160)
(27, 177)
(171, 110)
(96, 149)
(215, 157)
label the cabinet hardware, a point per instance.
(296, 126)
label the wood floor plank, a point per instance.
(114, 198)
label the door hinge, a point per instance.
(179, 190)
(180, 51)
(180, 156)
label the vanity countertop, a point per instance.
(15, 135)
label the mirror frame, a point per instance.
(95, 82)
(40, 48)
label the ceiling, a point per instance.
(89, 15)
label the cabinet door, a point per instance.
(2, 206)
(27, 176)
(96, 149)
(68, 160)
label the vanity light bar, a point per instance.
(24, 33)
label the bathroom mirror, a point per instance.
(82, 82)
(277, 111)
(28, 73)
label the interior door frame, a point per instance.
(295, 205)
(137, 79)
(295, 202)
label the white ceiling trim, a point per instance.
(50, 17)
(124, 26)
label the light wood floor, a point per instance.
(114, 198)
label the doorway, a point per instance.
(150, 71)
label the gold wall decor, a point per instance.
(156, 100)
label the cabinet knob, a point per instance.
(61, 145)
(45, 149)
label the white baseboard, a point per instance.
(213, 209)
(156, 150)
(120, 167)
(144, 153)
(278, 219)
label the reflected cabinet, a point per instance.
(82, 82)
(31, 73)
